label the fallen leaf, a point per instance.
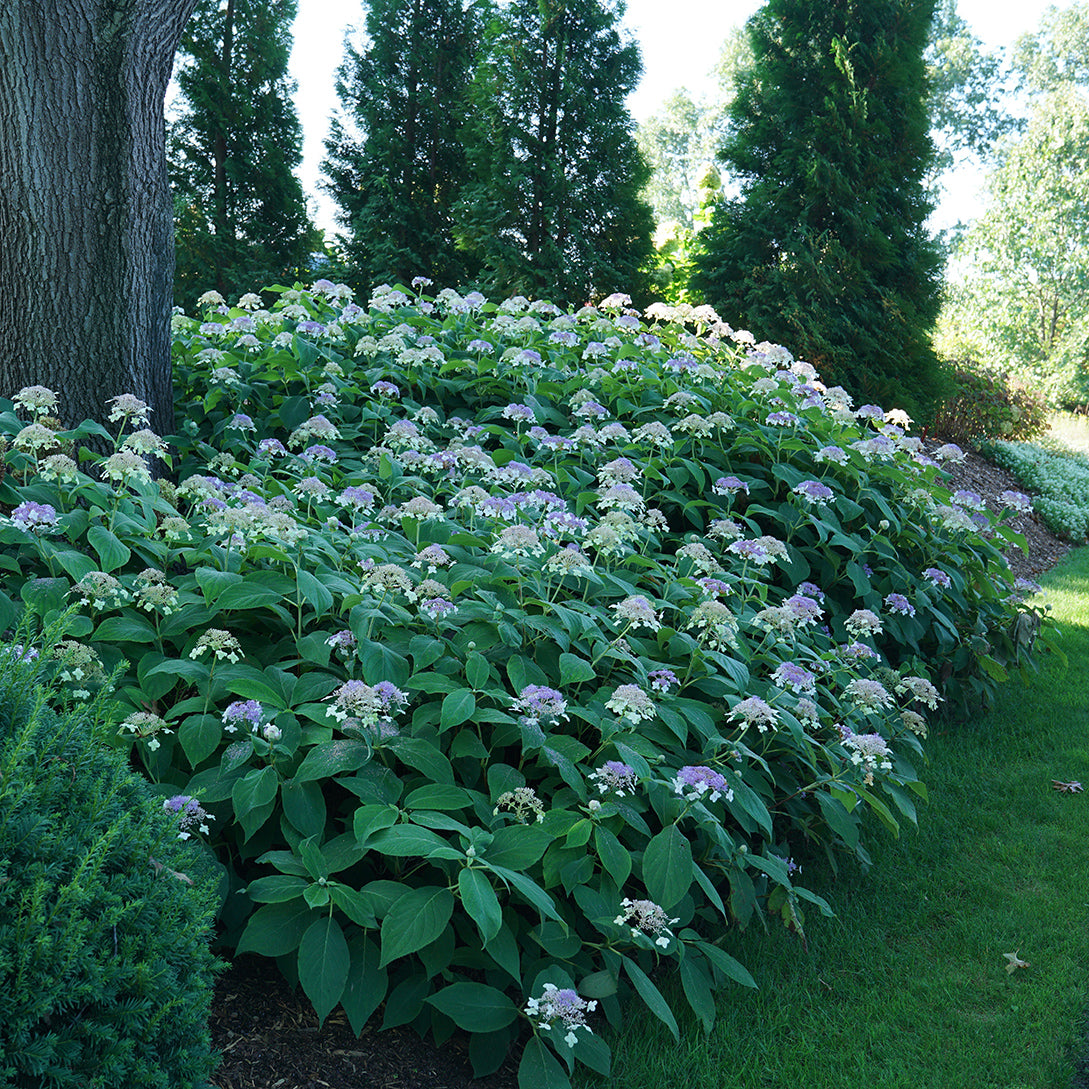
(160, 868)
(1015, 962)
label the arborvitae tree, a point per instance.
(396, 157)
(825, 249)
(240, 213)
(554, 208)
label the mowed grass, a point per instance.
(907, 988)
(1068, 431)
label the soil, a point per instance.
(269, 1036)
(977, 474)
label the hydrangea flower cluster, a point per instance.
(189, 812)
(222, 645)
(562, 1005)
(245, 713)
(646, 918)
(366, 705)
(615, 777)
(146, 726)
(694, 782)
(629, 702)
(538, 702)
(521, 803)
(34, 517)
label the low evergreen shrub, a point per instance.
(105, 916)
(988, 404)
(516, 652)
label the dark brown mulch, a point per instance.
(269, 1036)
(977, 474)
(269, 1039)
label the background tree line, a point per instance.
(476, 143)
(488, 143)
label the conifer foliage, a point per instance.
(240, 211)
(825, 247)
(554, 208)
(396, 161)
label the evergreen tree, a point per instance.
(240, 214)
(825, 249)
(396, 158)
(554, 208)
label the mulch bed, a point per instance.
(269, 1038)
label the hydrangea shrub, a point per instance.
(513, 652)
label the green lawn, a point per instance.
(908, 986)
(1068, 430)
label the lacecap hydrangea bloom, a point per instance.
(223, 645)
(146, 726)
(522, 803)
(647, 918)
(755, 712)
(369, 704)
(615, 777)
(692, 782)
(630, 702)
(536, 702)
(189, 813)
(561, 1005)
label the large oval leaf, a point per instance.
(667, 867)
(414, 920)
(475, 1007)
(323, 964)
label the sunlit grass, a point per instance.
(1067, 431)
(908, 986)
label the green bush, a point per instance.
(988, 404)
(515, 652)
(105, 972)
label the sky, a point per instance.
(680, 41)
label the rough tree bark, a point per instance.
(86, 228)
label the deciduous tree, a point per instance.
(85, 210)
(1022, 301)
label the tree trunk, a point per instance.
(86, 226)
(222, 221)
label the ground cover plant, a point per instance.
(1058, 479)
(512, 652)
(923, 941)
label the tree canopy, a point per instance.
(553, 206)
(825, 248)
(396, 158)
(1020, 297)
(240, 212)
